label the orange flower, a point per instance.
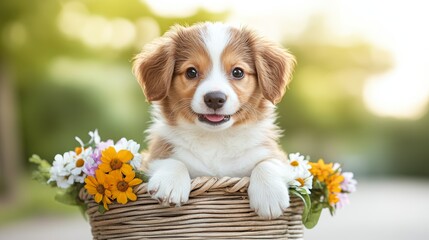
(334, 187)
(333, 198)
(122, 187)
(112, 160)
(334, 183)
(325, 173)
(321, 170)
(99, 186)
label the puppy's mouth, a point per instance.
(214, 119)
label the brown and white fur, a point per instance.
(238, 137)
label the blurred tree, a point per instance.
(324, 116)
(67, 87)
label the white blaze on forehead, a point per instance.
(216, 37)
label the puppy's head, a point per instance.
(213, 75)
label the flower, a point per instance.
(90, 166)
(321, 170)
(349, 184)
(112, 160)
(330, 175)
(299, 165)
(122, 187)
(304, 184)
(95, 137)
(59, 171)
(133, 147)
(91, 163)
(343, 199)
(334, 183)
(77, 166)
(99, 186)
(333, 199)
(99, 148)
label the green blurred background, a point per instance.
(65, 69)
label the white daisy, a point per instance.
(303, 184)
(299, 165)
(60, 173)
(77, 166)
(133, 147)
(95, 137)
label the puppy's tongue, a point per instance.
(214, 117)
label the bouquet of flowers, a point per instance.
(109, 171)
(320, 185)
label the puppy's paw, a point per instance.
(170, 189)
(269, 201)
(268, 191)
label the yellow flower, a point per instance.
(333, 198)
(334, 187)
(321, 170)
(122, 187)
(112, 160)
(99, 186)
(326, 173)
(334, 182)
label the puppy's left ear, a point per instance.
(274, 67)
(154, 68)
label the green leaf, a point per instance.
(313, 216)
(331, 210)
(101, 209)
(142, 175)
(307, 203)
(70, 196)
(302, 191)
(318, 185)
(41, 174)
(307, 209)
(65, 197)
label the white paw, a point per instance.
(268, 191)
(170, 188)
(270, 201)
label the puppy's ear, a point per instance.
(154, 68)
(274, 67)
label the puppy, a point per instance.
(213, 89)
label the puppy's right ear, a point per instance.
(154, 68)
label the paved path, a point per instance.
(381, 209)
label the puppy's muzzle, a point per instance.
(215, 100)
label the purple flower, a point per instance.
(343, 199)
(348, 184)
(99, 148)
(90, 167)
(94, 159)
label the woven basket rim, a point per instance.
(199, 186)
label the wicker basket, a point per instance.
(218, 208)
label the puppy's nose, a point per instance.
(215, 100)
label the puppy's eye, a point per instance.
(237, 73)
(191, 73)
